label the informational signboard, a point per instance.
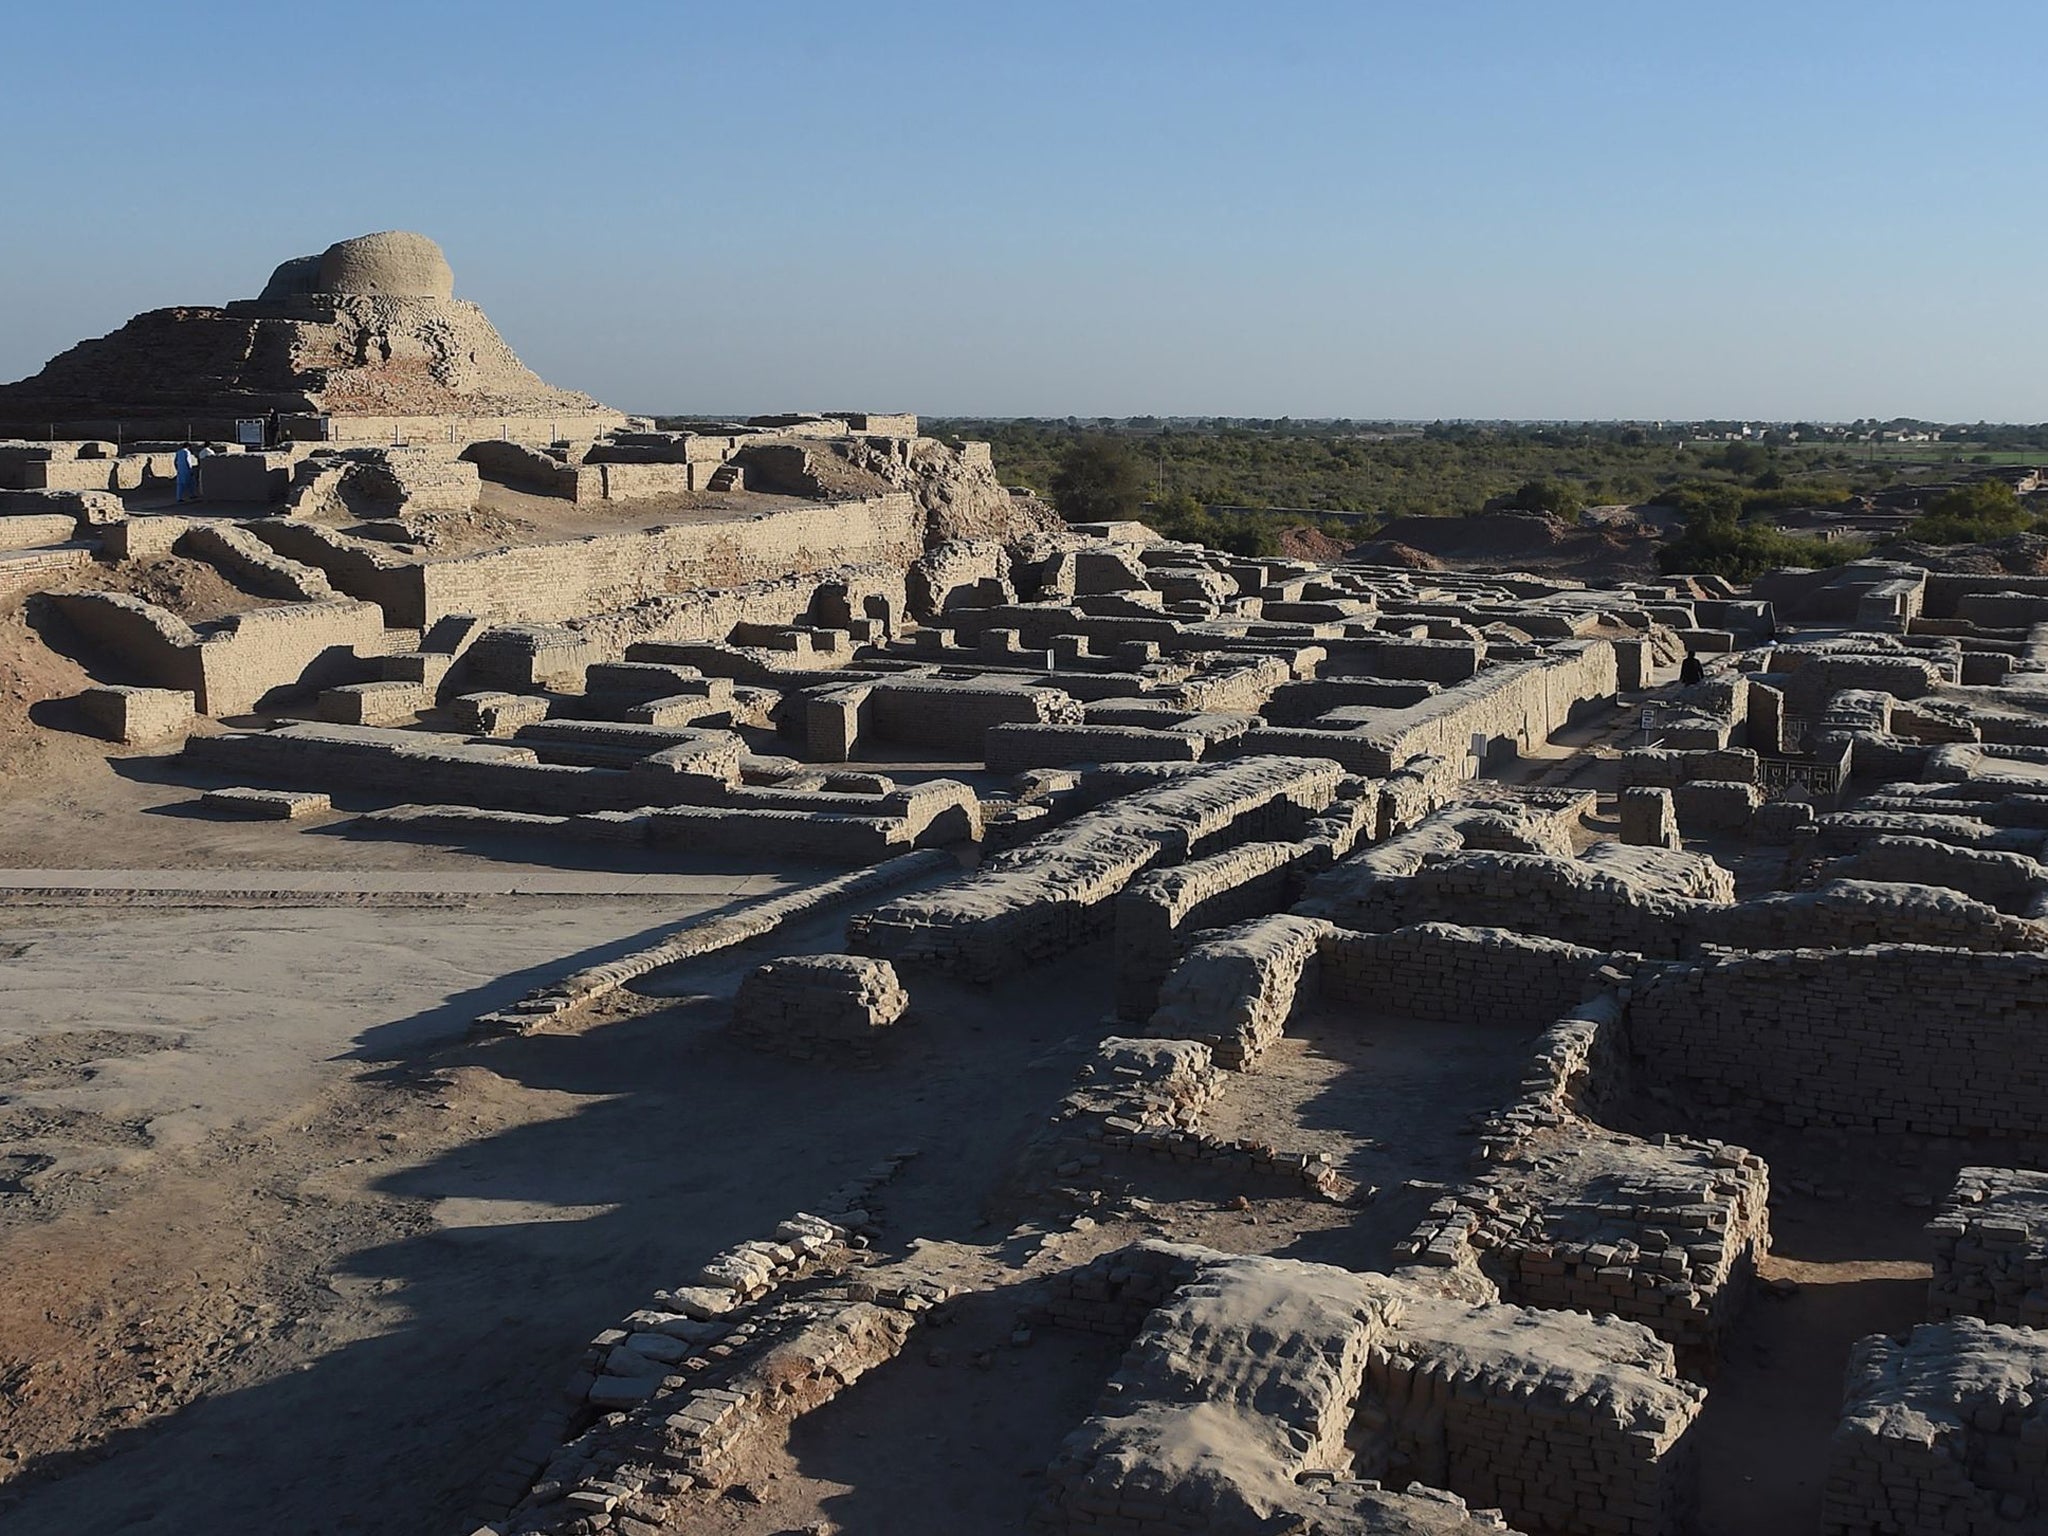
(249, 431)
(1783, 778)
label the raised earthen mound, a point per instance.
(1527, 541)
(1487, 536)
(2019, 554)
(1393, 552)
(370, 327)
(1306, 543)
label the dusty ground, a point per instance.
(1850, 1249)
(402, 1268)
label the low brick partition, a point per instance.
(1235, 990)
(267, 804)
(1534, 893)
(492, 713)
(1263, 1394)
(1991, 1248)
(1568, 1214)
(138, 717)
(1157, 910)
(1143, 1100)
(1055, 893)
(1943, 1431)
(1851, 914)
(704, 936)
(2012, 882)
(819, 1006)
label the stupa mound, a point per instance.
(364, 341)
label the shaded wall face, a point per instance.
(1820, 1038)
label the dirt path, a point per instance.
(1853, 1256)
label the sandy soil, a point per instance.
(403, 1268)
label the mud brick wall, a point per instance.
(1532, 893)
(433, 769)
(362, 568)
(1946, 591)
(1848, 831)
(957, 716)
(1294, 704)
(154, 642)
(1238, 686)
(954, 573)
(243, 660)
(1030, 903)
(33, 530)
(1235, 990)
(1437, 971)
(1570, 1215)
(1669, 767)
(1563, 1422)
(1157, 910)
(529, 468)
(1991, 1249)
(1667, 1234)
(711, 614)
(828, 839)
(1577, 1064)
(818, 1005)
(610, 571)
(1520, 702)
(1021, 906)
(1141, 1100)
(1829, 1037)
(253, 564)
(1014, 748)
(1941, 1432)
(1254, 1374)
(1851, 914)
(1208, 1424)
(1816, 679)
(1395, 657)
(138, 716)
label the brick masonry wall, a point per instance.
(1156, 911)
(610, 571)
(1825, 1037)
(1440, 971)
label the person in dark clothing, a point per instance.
(1690, 671)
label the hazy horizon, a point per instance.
(1467, 211)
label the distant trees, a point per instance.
(1741, 551)
(1099, 480)
(1556, 496)
(1449, 468)
(1744, 458)
(1974, 514)
(1729, 532)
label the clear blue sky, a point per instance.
(1435, 208)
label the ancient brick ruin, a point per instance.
(1447, 958)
